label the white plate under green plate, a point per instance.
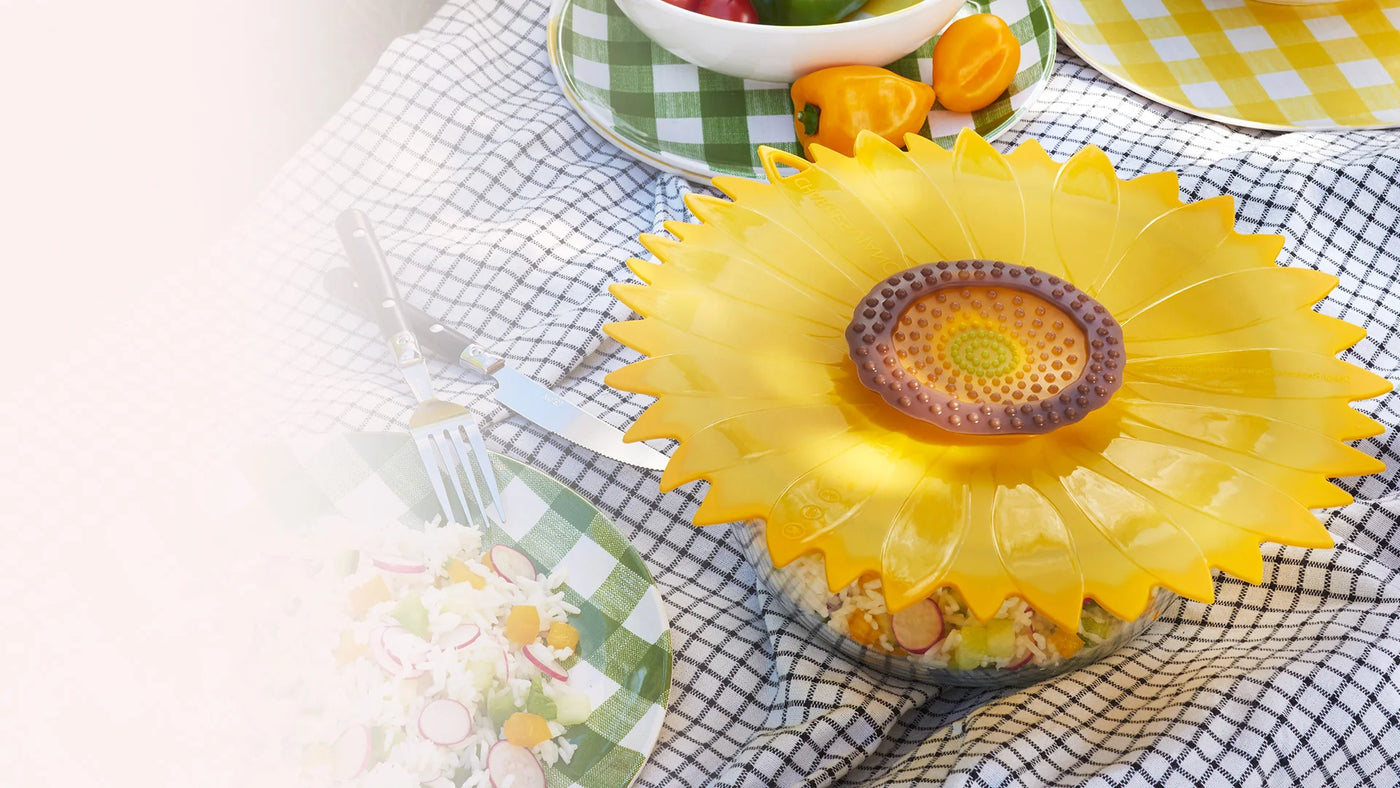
(693, 122)
(624, 662)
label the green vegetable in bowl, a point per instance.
(804, 12)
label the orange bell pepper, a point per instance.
(974, 62)
(835, 104)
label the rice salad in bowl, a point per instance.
(938, 638)
(442, 661)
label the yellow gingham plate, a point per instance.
(1248, 63)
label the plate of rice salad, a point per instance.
(938, 638)
(531, 656)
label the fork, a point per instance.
(437, 427)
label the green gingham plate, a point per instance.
(690, 121)
(624, 663)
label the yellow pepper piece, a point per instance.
(562, 635)
(458, 572)
(526, 730)
(369, 594)
(523, 624)
(835, 104)
(1065, 641)
(347, 650)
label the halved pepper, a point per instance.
(804, 12)
(835, 104)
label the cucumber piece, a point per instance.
(1096, 627)
(499, 707)
(972, 650)
(412, 615)
(573, 708)
(1001, 638)
(347, 562)
(483, 675)
(539, 703)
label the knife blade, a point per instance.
(516, 391)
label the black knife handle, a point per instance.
(381, 294)
(440, 339)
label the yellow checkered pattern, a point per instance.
(1251, 63)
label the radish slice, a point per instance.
(399, 565)
(392, 650)
(545, 661)
(919, 627)
(461, 637)
(352, 752)
(506, 761)
(511, 563)
(445, 721)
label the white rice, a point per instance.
(335, 698)
(805, 581)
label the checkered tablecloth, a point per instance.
(503, 213)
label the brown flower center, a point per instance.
(985, 347)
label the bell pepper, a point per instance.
(804, 12)
(974, 62)
(835, 104)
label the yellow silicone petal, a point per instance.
(1310, 489)
(990, 199)
(712, 316)
(1035, 175)
(1281, 374)
(1225, 545)
(1084, 213)
(1218, 489)
(1228, 303)
(1037, 552)
(1140, 531)
(1280, 442)
(733, 229)
(727, 443)
(819, 507)
(1140, 202)
(1110, 578)
(733, 274)
(1301, 329)
(1184, 246)
(865, 247)
(856, 180)
(922, 539)
(749, 490)
(907, 190)
(1332, 417)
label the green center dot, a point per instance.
(983, 352)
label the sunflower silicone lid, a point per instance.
(1164, 396)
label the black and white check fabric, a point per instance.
(503, 213)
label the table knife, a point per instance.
(521, 394)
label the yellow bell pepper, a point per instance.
(835, 104)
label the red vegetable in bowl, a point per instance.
(688, 5)
(733, 10)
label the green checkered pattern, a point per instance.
(624, 660)
(667, 111)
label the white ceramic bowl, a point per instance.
(775, 53)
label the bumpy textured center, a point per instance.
(988, 344)
(982, 352)
(983, 346)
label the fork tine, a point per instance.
(487, 470)
(453, 459)
(468, 466)
(430, 464)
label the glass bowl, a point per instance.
(800, 590)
